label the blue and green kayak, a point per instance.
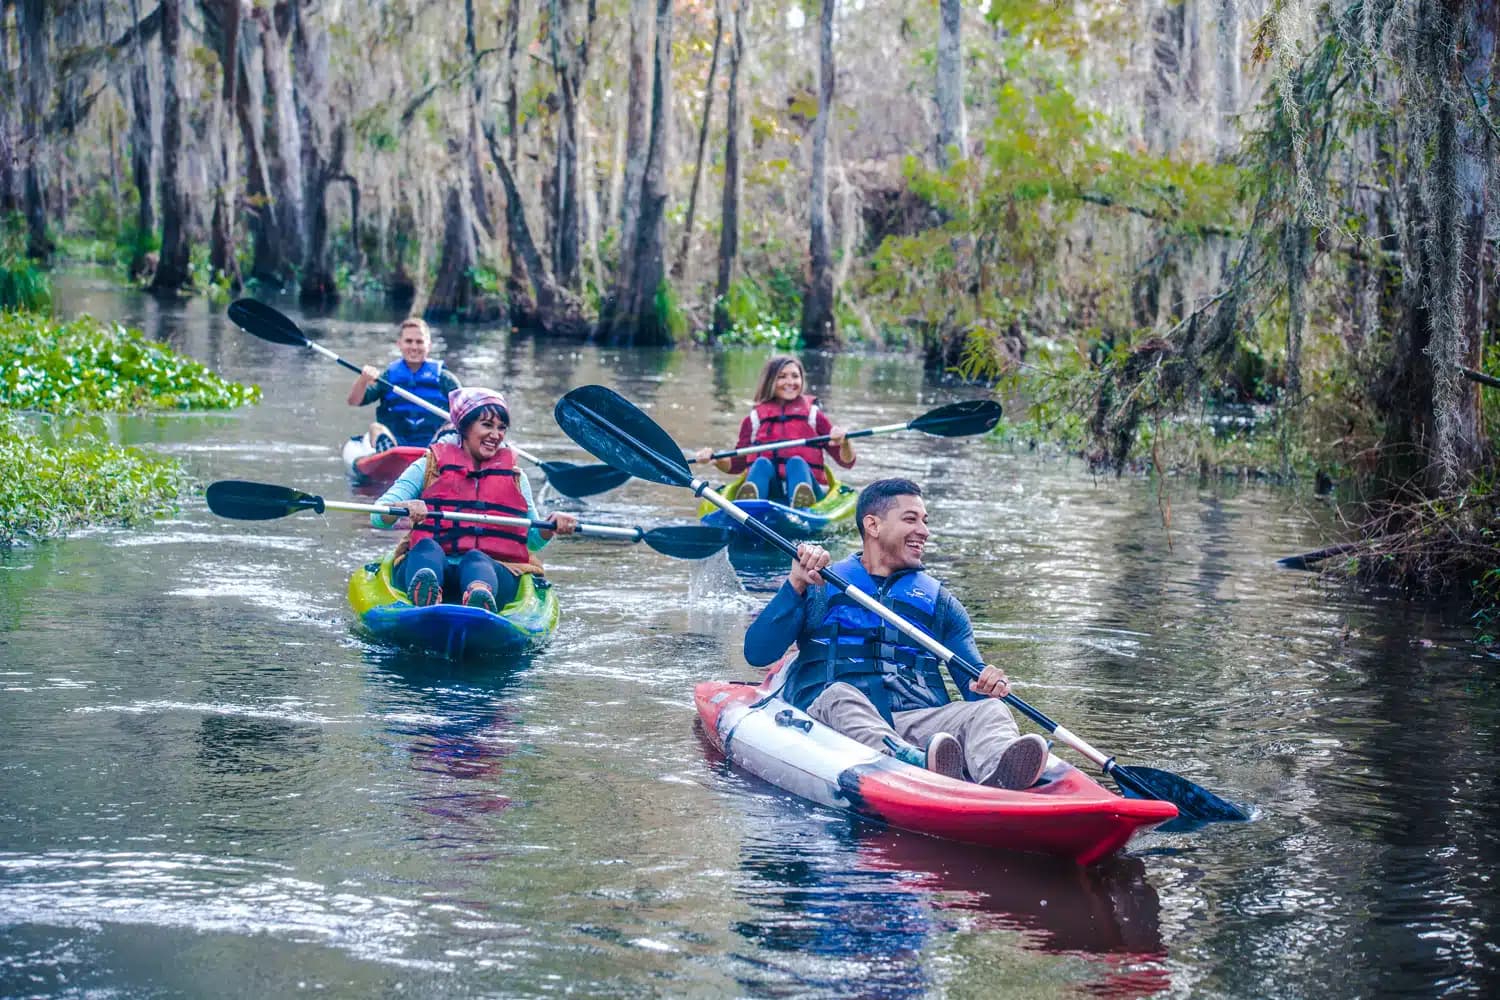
(833, 513)
(452, 630)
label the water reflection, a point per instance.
(848, 908)
(455, 723)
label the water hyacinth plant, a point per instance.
(48, 490)
(85, 365)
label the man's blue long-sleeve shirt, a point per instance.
(786, 620)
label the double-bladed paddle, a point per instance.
(246, 501)
(269, 323)
(961, 419)
(614, 430)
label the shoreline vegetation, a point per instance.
(51, 369)
(1129, 212)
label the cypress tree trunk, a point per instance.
(172, 267)
(224, 22)
(818, 329)
(142, 129)
(952, 138)
(32, 23)
(1462, 169)
(283, 141)
(265, 250)
(708, 111)
(637, 123)
(569, 61)
(1432, 433)
(539, 301)
(453, 294)
(729, 216)
(633, 316)
(480, 204)
(517, 283)
(322, 155)
(10, 199)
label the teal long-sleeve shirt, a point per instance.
(408, 486)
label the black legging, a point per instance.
(475, 566)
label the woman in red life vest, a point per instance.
(783, 412)
(476, 563)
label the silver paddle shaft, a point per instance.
(594, 530)
(927, 642)
(412, 397)
(775, 445)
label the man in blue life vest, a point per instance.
(864, 678)
(397, 420)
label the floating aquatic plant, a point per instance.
(85, 365)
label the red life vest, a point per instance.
(459, 485)
(777, 421)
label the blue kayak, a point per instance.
(834, 512)
(452, 630)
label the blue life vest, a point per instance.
(860, 648)
(411, 424)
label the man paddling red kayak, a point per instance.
(858, 675)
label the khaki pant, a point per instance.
(983, 728)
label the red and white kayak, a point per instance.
(1066, 814)
(368, 467)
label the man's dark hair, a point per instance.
(877, 498)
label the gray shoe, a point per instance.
(1021, 763)
(747, 491)
(945, 756)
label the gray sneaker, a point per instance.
(943, 755)
(1021, 763)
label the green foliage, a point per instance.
(1006, 260)
(487, 280)
(87, 365)
(358, 284)
(1487, 617)
(202, 275)
(22, 284)
(133, 242)
(100, 213)
(669, 311)
(47, 490)
(765, 312)
(1489, 399)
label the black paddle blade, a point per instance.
(245, 501)
(688, 541)
(612, 429)
(971, 416)
(578, 481)
(1193, 802)
(265, 322)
